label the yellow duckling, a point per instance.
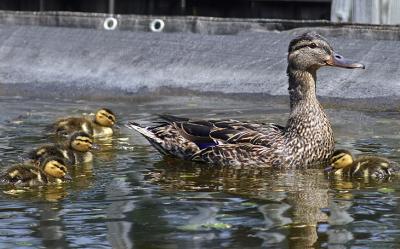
(100, 126)
(103, 122)
(75, 151)
(49, 170)
(343, 163)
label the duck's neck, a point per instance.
(305, 109)
(307, 126)
(301, 87)
(95, 121)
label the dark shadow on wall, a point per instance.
(297, 10)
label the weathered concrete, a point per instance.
(37, 60)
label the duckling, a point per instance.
(342, 162)
(75, 151)
(103, 122)
(66, 126)
(50, 169)
(100, 126)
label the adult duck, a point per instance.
(307, 138)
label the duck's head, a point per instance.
(55, 167)
(340, 159)
(81, 141)
(105, 117)
(310, 51)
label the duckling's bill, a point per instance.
(67, 177)
(95, 146)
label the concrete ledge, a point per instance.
(38, 60)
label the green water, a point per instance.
(131, 197)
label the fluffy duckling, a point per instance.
(103, 122)
(100, 126)
(342, 162)
(49, 170)
(75, 151)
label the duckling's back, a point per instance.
(24, 175)
(67, 126)
(372, 166)
(55, 150)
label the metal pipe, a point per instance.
(111, 6)
(41, 5)
(183, 7)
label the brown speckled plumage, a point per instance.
(306, 139)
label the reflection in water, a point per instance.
(300, 194)
(118, 229)
(51, 227)
(206, 216)
(131, 197)
(338, 238)
(273, 217)
(338, 212)
(274, 214)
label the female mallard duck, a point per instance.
(343, 163)
(75, 151)
(306, 139)
(100, 126)
(49, 170)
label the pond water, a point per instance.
(132, 197)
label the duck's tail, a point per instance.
(149, 135)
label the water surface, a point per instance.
(132, 197)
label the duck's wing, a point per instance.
(167, 139)
(268, 136)
(227, 131)
(184, 138)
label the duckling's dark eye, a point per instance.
(312, 45)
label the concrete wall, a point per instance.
(70, 62)
(40, 53)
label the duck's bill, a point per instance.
(95, 147)
(67, 177)
(337, 60)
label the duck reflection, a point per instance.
(339, 216)
(338, 237)
(118, 231)
(49, 226)
(108, 148)
(297, 195)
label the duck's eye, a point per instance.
(313, 45)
